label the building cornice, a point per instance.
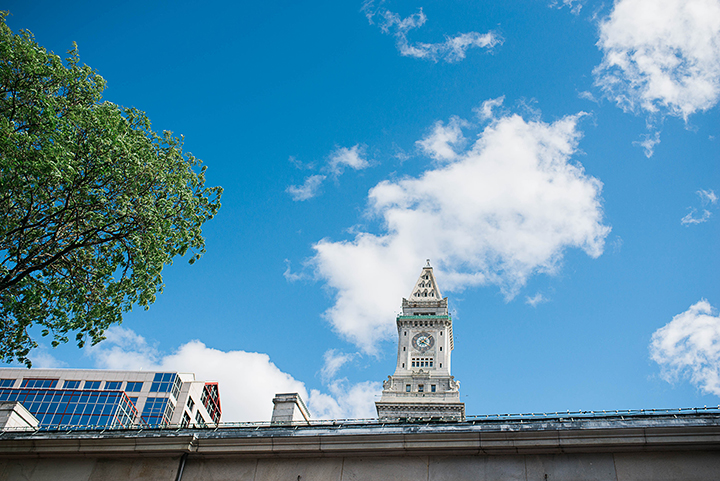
(539, 436)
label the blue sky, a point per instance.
(556, 161)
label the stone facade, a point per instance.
(422, 386)
(289, 408)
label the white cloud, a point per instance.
(334, 360)
(440, 141)
(574, 5)
(661, 56)
(587, 96)
(692, 217)
(248, 380)
(41, 359)
(535, 300)
(708, 198)
(343, 157)
(346, 401)
(338, 160)
(505, 208)
(453, 49)
(648, 143)
(307, 190)
(291, 276)
(689, 347)
(299, 164)
(487, 109)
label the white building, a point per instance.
(422, 386)
(89, 397)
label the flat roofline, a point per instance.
(66, 369)
(558, 421)
(689, 431)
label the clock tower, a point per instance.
(422, 386)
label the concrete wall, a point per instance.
(698, 466)
(691, 465)
(616, 448)
(86, 469)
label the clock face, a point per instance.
(423, 341)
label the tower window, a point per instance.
(440, 348)
(405, 333)
(407, 387)
(440, 364)
(403, 364)
(432, 388)
(403, 348)
(421, 387)
(422, 362)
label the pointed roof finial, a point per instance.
(426, 288)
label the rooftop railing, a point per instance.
(560, 416)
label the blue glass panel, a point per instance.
(134, 386)
(42, 383)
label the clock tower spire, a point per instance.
(422, 386)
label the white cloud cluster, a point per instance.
(341, 158)
(234, 370)
(708, 199)
(451, 50)
(689, 347)
(574, 5)
(648, 143)
(535, 300)
(309, 189)
(334, 360)
(487, 109)
(443, 140)
(346, 401)
(503, 209)
(661, 56)
(248, 380)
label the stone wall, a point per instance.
(644, 447)
(665, 466)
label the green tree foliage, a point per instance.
(93, 203)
